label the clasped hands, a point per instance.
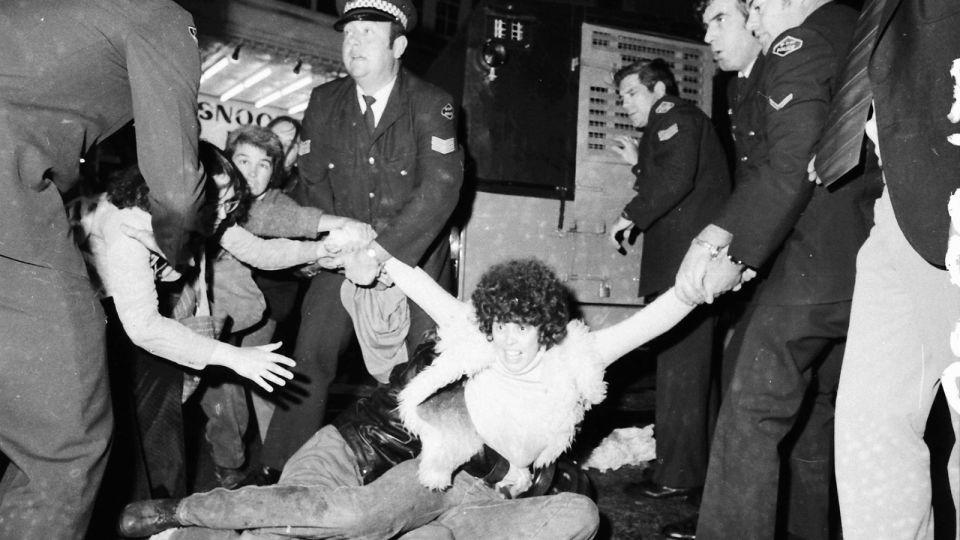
(707, 272)
(348, 247)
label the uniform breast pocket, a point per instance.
(400, 167)
(320, 163)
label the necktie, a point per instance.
(843, 136)
(368, 114)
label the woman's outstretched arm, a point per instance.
(440, 305)
(654, 319)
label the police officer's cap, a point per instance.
(400, 11)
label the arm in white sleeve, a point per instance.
(124, 266)
(269, 254)
(659, 316)
(440, 305)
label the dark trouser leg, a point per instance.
(325, 330)
(56, 421)
(781, 348)
(157, 392)
(283, 293)
(224, 402)
(686, 404)
(811, 497)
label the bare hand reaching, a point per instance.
(259, 364)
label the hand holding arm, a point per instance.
(723, 274)
(706, 247)
(347, 234)
(360, 268)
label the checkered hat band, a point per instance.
(380, 5)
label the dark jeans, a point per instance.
(686, 404)
(320, 496)
(325, 332)
(148, 391)
(780, 403)
(56, 421)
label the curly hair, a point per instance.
(523, 291)
(264, 139)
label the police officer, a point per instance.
(682, 180)
(71, 73)
(380, 147)
(788, 348)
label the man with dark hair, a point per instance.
(788, 347)
(72, 72)
(681, 181)
(379, 147)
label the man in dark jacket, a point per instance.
(904, 306)
(380, 147)
(356, 478)
(787, 351)
(681, 182)
(71, 73)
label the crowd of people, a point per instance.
(830, 225)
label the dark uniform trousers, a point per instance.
(681, 181)
(779, 403)
(404, 180)
(72, 72)
(687, 397)
(56, 434)
(777, 415)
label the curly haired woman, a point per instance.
(531, 371)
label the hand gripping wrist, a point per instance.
(712, 249)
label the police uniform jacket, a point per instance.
(803, 240)
(403, 179)
(71, 73)
(681, 182)
(913, 75)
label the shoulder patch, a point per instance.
(787, 45)
(447, 111)
(667, 134)
(304, 148)
(443, 146)
(664, 107)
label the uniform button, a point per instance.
(371, 195)
(744, 158)
(371, 160)
(752, 134)
(330, 165)
(730, 112)
(403, 172)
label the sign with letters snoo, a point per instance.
(218, 118)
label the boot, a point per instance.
(144, 518)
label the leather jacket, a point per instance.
(373, 430)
